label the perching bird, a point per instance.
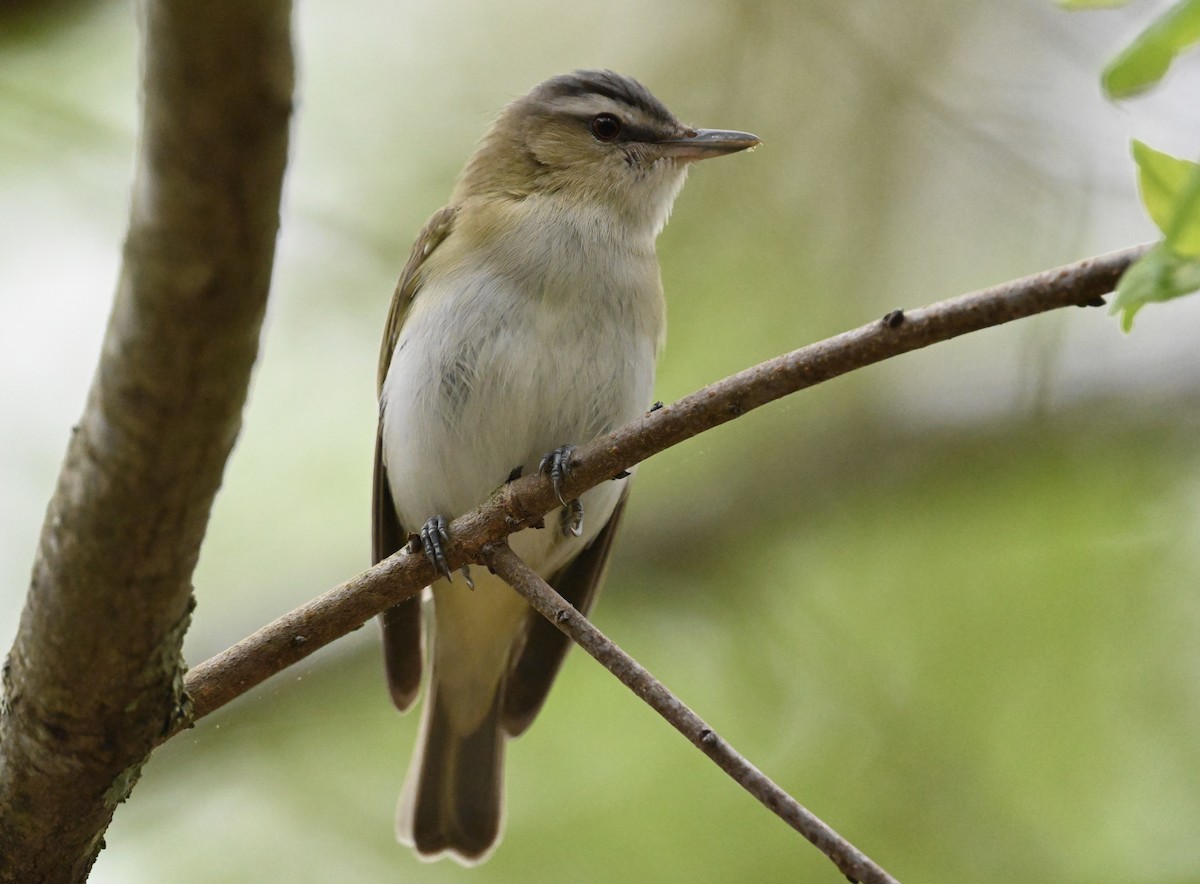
(527, 320)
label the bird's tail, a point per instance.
(452, 801)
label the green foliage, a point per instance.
(1171, 193)
(1146, 60)
(1170, 186)
(1159, 276)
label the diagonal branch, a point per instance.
(524, 502)
(852, 862)
(95, 675)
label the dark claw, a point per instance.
(572, 519)
(558, 464)
(516, 473)
(465, 571)
(434, 538)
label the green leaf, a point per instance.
(1145, 61)
(1160, 275)
(1171, 193)
(1082, 5)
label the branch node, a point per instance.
(894, 319)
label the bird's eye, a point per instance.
(606, 127)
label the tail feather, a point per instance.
(452, 802)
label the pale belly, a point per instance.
(483, 382)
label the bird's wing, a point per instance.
(432, 235)
(534, 669)
(401, 623)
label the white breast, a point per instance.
(546, 337)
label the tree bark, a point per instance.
(95, 676)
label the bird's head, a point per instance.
(594, 138)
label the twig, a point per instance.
(524, 502)
(852, 862)
(298, 633)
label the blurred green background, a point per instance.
(948, 602)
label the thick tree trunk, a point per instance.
(94, 678)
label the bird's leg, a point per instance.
(557, 465)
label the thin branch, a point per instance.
(295, 635)
(523, 503)
(852, 862)
(95, 675)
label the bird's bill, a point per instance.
(699, 144)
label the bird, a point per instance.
(527, 320)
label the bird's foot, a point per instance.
(557, 465)
(572, 518)
(434, 537)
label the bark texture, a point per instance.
(95, 676)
